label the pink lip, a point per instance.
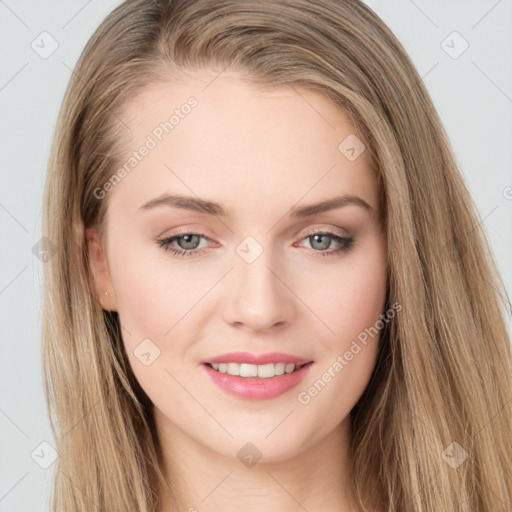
(247, 357)
(254, 388)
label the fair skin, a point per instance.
(259, 153)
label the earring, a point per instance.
(106, 293)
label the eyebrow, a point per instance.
(216, 209)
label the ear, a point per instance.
(100, 271)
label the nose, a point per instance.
(258, 296)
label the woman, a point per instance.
(272, 289)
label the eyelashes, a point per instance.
(345, 244)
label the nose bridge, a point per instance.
(257, 295)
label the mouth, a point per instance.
(260, 371)
(250, 381)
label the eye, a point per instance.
(321, 241)
(187, 246)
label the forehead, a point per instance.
(219, 135)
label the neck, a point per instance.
(203, 480)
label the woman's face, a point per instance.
(210, 256)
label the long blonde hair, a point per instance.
(443, 373)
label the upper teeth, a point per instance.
(263, 371)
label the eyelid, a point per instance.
(188, 230)
(328, 230)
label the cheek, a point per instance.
(350, 306)
(157, 300)
(152, 304)
(150, 299)
(350, 296)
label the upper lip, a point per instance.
(247, 357)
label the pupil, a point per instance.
(187, 239)
(325, 245)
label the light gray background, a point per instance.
(473, 94)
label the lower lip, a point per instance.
(253, 388)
